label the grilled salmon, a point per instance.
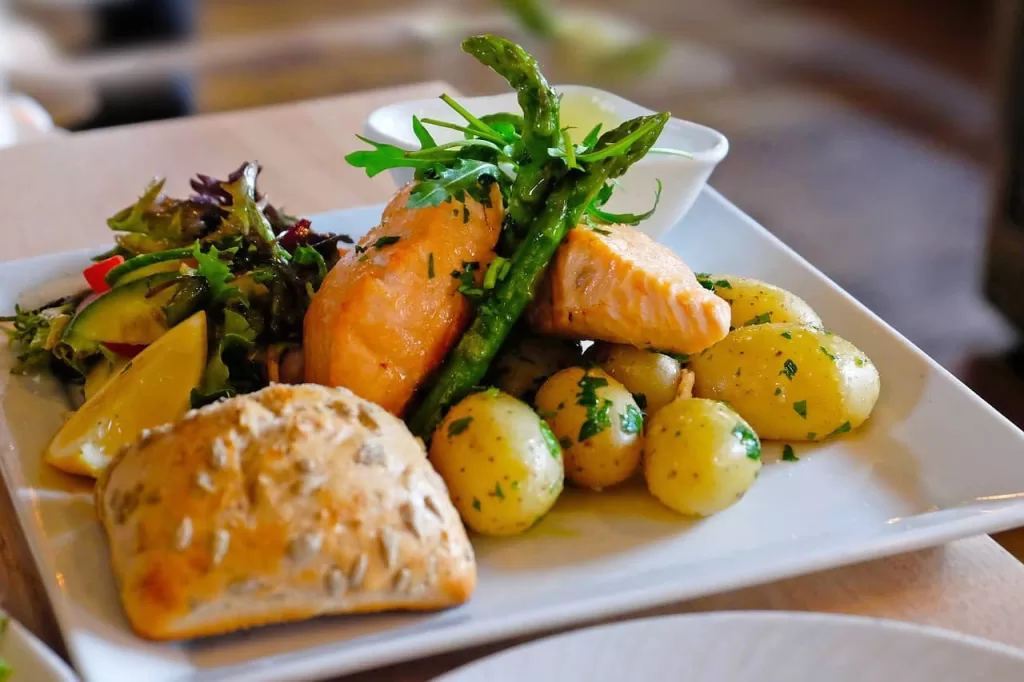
(619, 285)
(389, 311)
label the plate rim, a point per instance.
(319, 659)
(775, 618)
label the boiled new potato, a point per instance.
(790, 382)
(597, 423)
(502, 464)
(756, 302)
(701, 457)
(653, 378)
(526, 363)
(151, 389)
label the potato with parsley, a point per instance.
(701, 457)
(598, 425)
(756, 302)
(500, 461)
(789, 381)
(525, 363)
(653, 378)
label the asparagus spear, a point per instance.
(562, 209)
(539, 103)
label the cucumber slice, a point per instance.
(122, 273)
(132, 313)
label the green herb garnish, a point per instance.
(458, 426)
(789, 369)
(801, 408)
(763, 318)
(748, 439)
(598, 418)
(632, 420)
(788, 455)
(843, 428)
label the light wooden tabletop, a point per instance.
(55, 195)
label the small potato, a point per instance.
(502, 464)
(526, 363)
(756, 302)
(790, 382)
(653, 378)
(597, 423)
(701, 457)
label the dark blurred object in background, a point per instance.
(134, 23)
(1005, 265)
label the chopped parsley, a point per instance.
(811, 435)
(778, 390)
(788, 455)
(496, 271)
(641, 400)
(632, 420)
(547, 415)
(827, 354)
(763, 318)
(550, 440)
(476, 504)
(801, 408)
(467, 281)
(360, 249)
(748, 439)
(565, 442)
(598, 418)
(844, 428)
(599, 230)
(705, 281)
(786, 335)
(430, 265)
(498, 492)
(385, 241)
(458, 426)
(788, 369)
(859, 361)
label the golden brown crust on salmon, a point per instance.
(620, 285)
(388, 313)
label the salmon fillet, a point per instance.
(380, 323)
(620, 285)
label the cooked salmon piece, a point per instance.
(617, 284)
(389, 311)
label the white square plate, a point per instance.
(933, 464)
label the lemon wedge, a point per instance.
(150, 390)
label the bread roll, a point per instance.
(281, 505)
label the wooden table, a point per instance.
(55, 195)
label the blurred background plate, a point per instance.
(752, 647)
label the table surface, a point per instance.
(55, 195)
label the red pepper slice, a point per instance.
(96, 274)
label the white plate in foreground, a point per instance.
(752, 647)
(933, 464)
(30, 659)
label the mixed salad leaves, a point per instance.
(225, 250)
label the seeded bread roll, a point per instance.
(281, 505)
